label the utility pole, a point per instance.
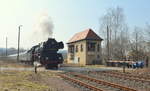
(6, 46)
(108, 45)
(18, 42)
(124, 65)
(136, 46)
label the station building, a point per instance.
(84, 48)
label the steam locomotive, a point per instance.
(45, 54)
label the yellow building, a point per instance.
(84, 48)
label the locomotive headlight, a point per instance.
(46, 58)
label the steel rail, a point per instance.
(124, 77)
(129, 75)
(81, 83)
(103, 82)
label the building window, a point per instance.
(71, 57)
(91, 46)
(71, 49)
(78, 59)
(81, 47)
(98, 48)
(76, 48)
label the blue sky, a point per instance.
(68, 16)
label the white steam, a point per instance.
(43, 28)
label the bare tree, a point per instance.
(114, 19)
(147, 32)
(121, 44)
(138, 44)
(147, 37)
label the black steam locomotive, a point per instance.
(46, 53)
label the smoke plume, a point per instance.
(43, 28)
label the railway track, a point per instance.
(97, 81)
(81, 83)
(124, 76)
(128, 75)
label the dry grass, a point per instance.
(24, 81)
(13, 64)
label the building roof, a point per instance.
(86, 34)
